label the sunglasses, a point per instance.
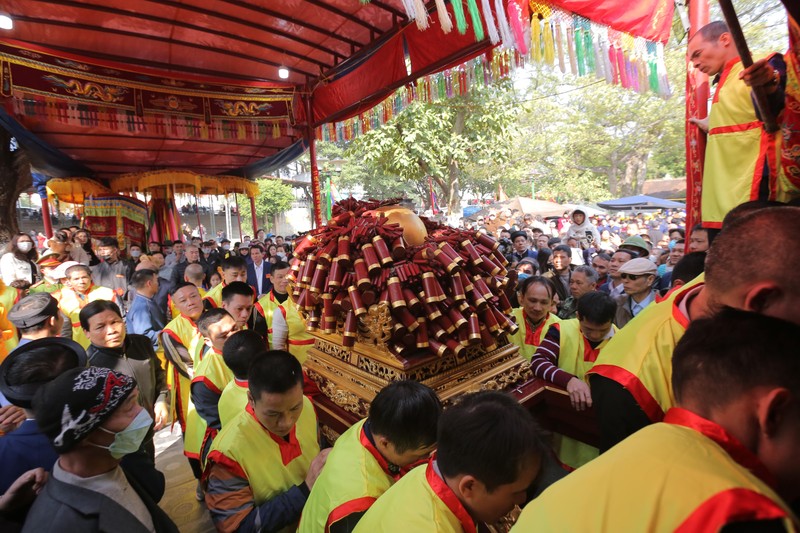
(632, 277)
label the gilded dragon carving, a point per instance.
(95, 91)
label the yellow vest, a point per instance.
(214, 296)
(71, 305)
(355, 475)
(736, 149)
(247, 449)
(7, 333)
(8, 336)
(639, 356)
(232, 401)
(8, 297)
(675, 476)
(184, 331)
(267, 305)
(576, 356)
(215, 374)
(420, 502)
(528, 338)
(300, 341)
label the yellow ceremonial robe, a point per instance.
(528, 338)
(355, 475)
(420, 502)
(686, 475)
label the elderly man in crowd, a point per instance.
(638, 276)
(582, 281)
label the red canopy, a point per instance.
(133, 85)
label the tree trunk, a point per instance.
(635, 172)
(613, 176)
(453, 184)
(15, 177)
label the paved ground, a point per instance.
(179, 500)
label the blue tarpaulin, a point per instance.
(640, 202)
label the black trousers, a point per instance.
(618, 414)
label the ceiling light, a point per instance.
(283, 73)
(5, 22)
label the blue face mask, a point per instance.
(522, 275)
(129, 439)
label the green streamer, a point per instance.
(477, 22)
(458, 12)
(579, 52)
(653, 75)
(588, 46)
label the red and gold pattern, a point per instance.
(789, 181)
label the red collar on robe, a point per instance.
(290, 450)
(449, 498)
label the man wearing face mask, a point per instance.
(113, 272)
(135, 252)
(225, 252)
(93, 419)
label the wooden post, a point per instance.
(697, 93)
(770, 125)
(48, 224)
(253, 215)
(316, 194)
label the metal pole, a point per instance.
(213, 217)
(228, 227)
(238, 216)
(770, 125)
(199, 223)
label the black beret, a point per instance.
(33, 309)
(21, 394)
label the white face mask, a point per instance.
(136, 253)
(25, 246)
(226, 247)
(129, 439)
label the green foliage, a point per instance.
(763, 24)
(274, 197)
(585, 140)
(441, 140)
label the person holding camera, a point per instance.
(581, 229)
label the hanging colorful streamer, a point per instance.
(458, 81)
(585, 48)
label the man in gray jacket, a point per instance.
(93, 419)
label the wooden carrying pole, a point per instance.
(770, 124)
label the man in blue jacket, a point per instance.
(145, 317)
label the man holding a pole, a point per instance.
(740, 162)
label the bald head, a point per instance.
(766, 284)
(194, 274)
(146, 264)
